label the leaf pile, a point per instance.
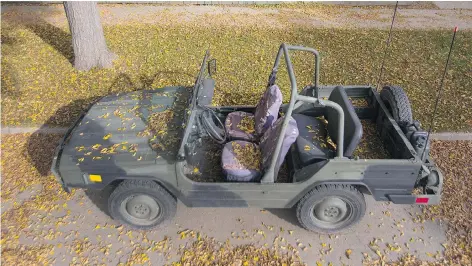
(370, 146)
(246, 124)
(248, 156)
(159, 121)
(208, 251)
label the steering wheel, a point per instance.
(216, 130)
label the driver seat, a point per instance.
(244, 161)
(246, 126)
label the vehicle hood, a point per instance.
(114, 131)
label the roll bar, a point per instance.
(270, 174)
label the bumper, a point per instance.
(433, 197)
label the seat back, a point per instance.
(269, 141)
(267, 110)
(352, 124)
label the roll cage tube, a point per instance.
(316, 75)
(270, 175)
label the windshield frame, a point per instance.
(190, 122)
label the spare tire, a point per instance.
(396, 101)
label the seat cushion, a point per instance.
(240, 126)
(312, 142)
(241, 161)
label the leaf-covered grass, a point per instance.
(39, 84)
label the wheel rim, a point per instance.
(331, 212)
(140, 209)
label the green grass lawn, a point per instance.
(39, 84)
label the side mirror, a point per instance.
(211, 67)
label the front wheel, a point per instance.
(141, 204)
(331, 208)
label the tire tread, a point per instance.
(400, 103)
(326, 188)
(146, 184)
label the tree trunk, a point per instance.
(88, 41)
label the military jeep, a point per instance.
(153, 147)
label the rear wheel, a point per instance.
(331, 208)
(141, 204)
(396, 101)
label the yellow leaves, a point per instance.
(196, 170)
(260, 232)
(307, 148)
(104, 116)
(183, 234)
(348, 253)
(396, 248)
(80, 148)
(107, 136)
(96, 146)
(378, 253)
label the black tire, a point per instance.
(133, 202)
(309, 217)
(396, 100)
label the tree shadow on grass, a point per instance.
(60, 40)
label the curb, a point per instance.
(22, 130)
(448, 136)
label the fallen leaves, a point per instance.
(371, 146)
(248, 156)
(348, 253)
(207, 251)
(46, 88)
(25, 158)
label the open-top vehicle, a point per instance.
(154, 147)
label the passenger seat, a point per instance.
(250, 127)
